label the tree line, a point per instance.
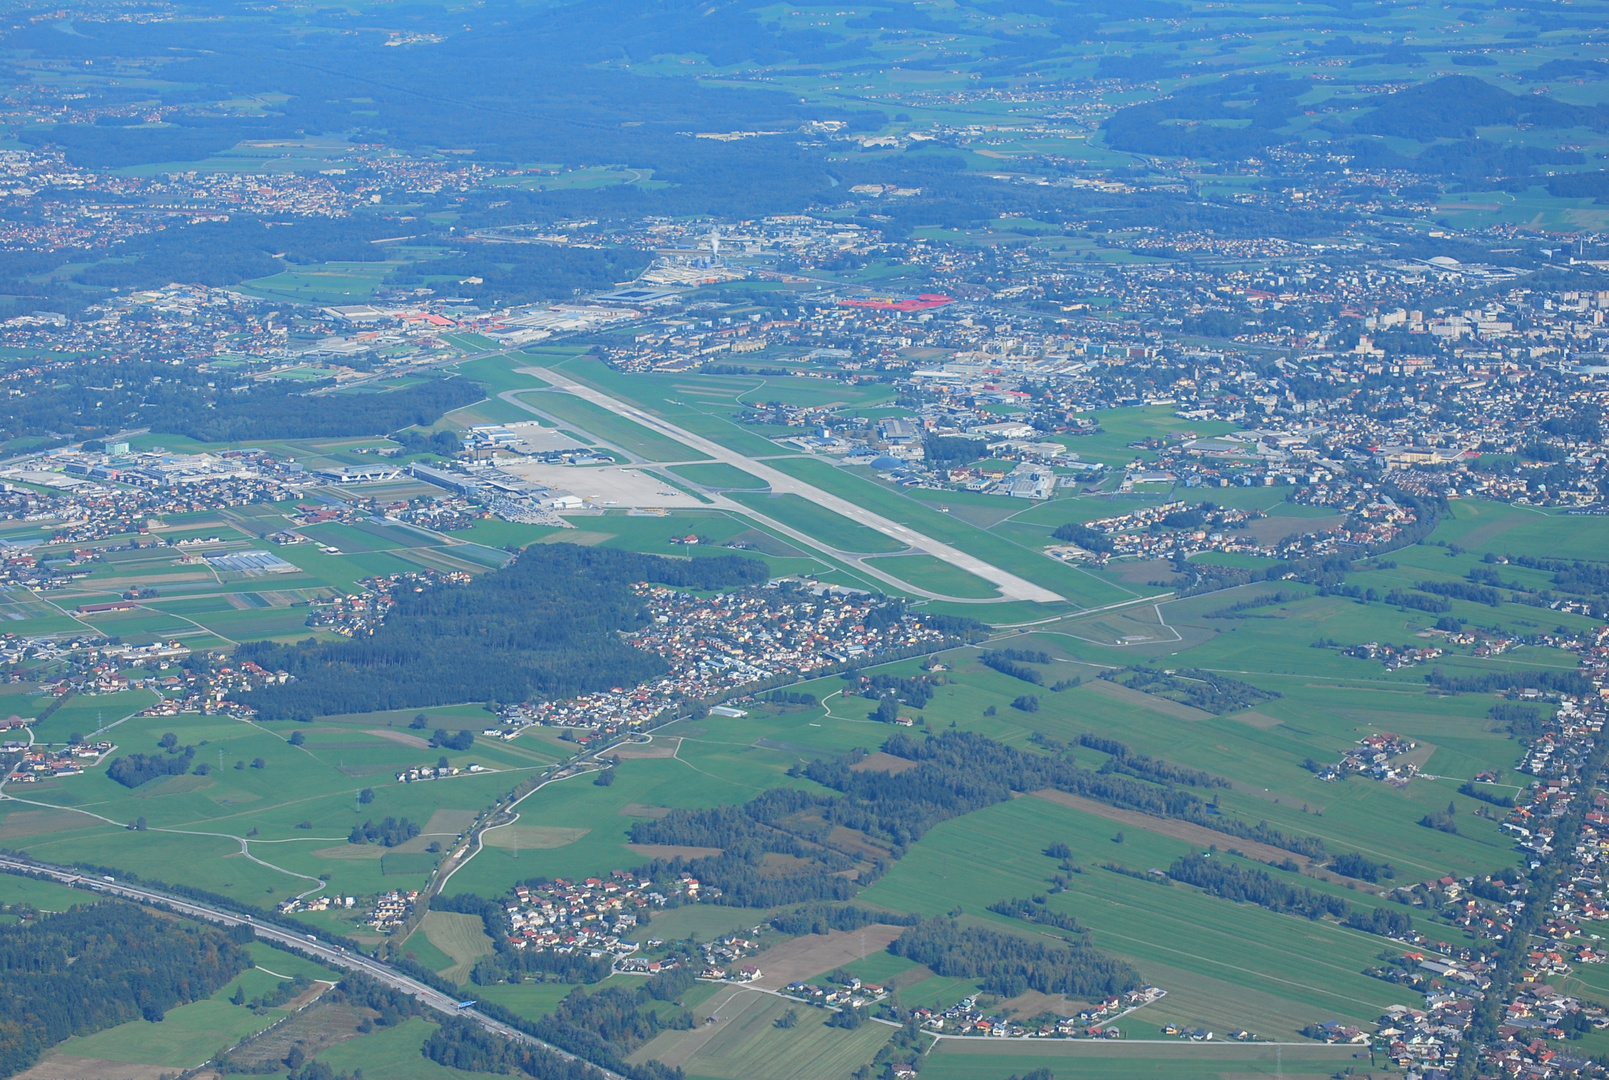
(268, 411)
(1085, 537)
(1008, 965)
(462, 1044)
(1006, 665)
(546, 625)
(560, 1029)
(774, 822)
(138, 769)
(391, 1007)
(959, 772)
(824, 918)
(1221, 878)
(1462, 590)
(1359, 866)
(1204, 690)
(390, 832)
(1572, 683)
(1583, 578)
(1237, 609)
(1431, 605)
(956, 773)
(495, 274)
(1158, 771)
(1036, 910)
(1326, 571)
(914, 690)
(608, 1024)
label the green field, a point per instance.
(43, 895)
(653, 534)
(461, 937)
(965, 1061)
(500, 373)
(1008, 554)
(611, 428)
(392, 1053)
(927, 572)
(191, 1034)
(749, 1045)
(487, 168)
(832, 529)
(682, 402)
(294, 814)
(1224, 965)
(719, 475)
(329, 283)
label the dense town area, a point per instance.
(1451, 380)
(736, 642)
(1500, 400)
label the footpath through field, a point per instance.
(1011, 586)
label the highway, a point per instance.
(333, 955)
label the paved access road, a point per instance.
(1010, 585)
(333, 955)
